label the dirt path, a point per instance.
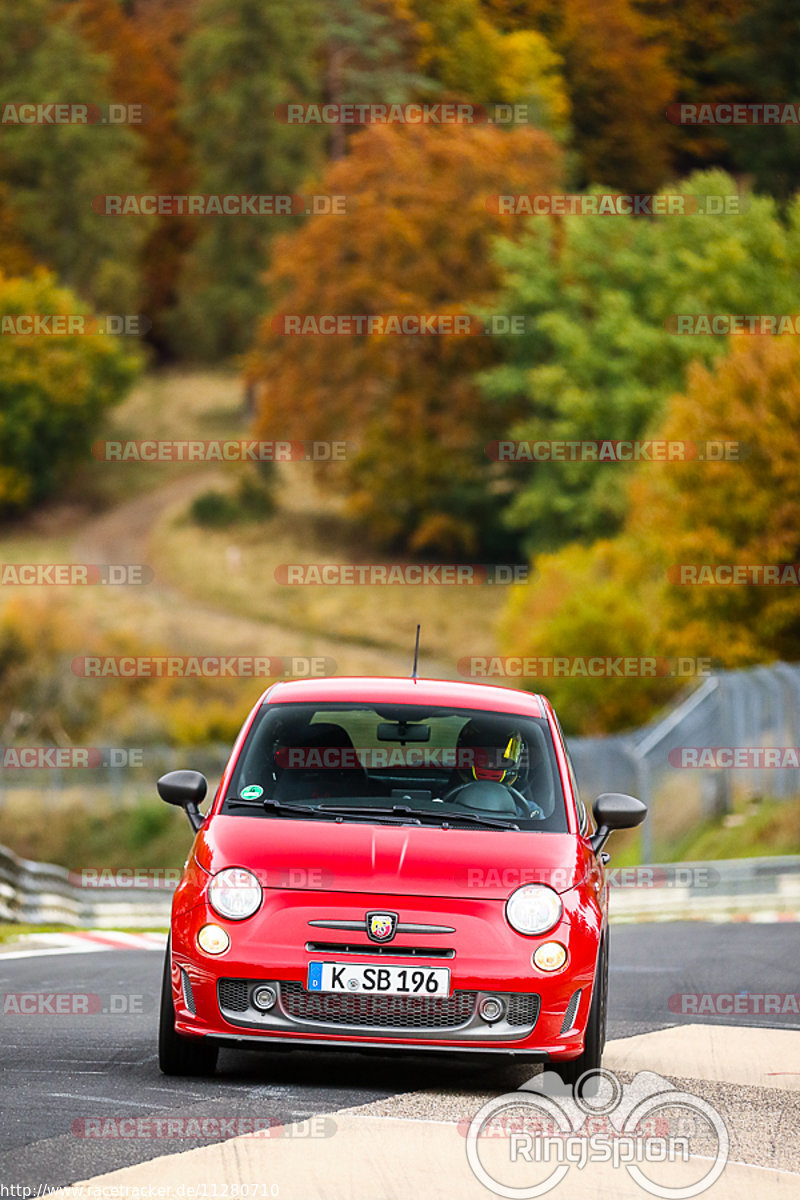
(164, 614)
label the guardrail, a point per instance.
(722, 890)
(37, 893)
(765, 888)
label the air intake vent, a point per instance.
(572, 1011)
(188, 994)
(387, 951)
(234, 994)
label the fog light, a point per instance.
(264, 998)
(550, 956)
(213, 939)
(491, 1009)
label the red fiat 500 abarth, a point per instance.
(392, 864)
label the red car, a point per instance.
(392, 864)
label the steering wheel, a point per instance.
(525, 808)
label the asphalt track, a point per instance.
(59, 1070)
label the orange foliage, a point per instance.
(417, 240)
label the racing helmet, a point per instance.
(489, 752)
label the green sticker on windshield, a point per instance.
(252, 792)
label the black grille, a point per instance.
(393, 1012)
(391, 951)
(383, 1012)
(572, 1010)
(188, 994)
(234, 994)
(523, 1008)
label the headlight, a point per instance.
(235, 893)
(534, 908)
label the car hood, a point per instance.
(391, 860)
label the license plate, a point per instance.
(360, 979)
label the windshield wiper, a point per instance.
(272, 805)
(284, 809)
(420, 814)
(398, 814)
(490, 822)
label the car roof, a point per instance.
(380, 690)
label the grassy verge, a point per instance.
(145, 835)
(754, 829)
(457, 621)
(8, 933)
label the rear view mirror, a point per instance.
(186, 789)
(615, 810)
(401, 731)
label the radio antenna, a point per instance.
(416, 657)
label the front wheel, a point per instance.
(595, 1040)
(179, 1055)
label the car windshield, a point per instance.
(399, 763)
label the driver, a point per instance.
(489, 753)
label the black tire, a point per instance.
(179, 1055)
(594, 1043)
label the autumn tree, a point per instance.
(628, 596)
(53, 390)
(417, 241)
(464, 53)
(743, 509)
(144, 72)
(584, 603)
(698, 38)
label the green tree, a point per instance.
(764, 62)
(53, 172)
(598, 360)
(244, 59)
(365, 56)
(53, 390)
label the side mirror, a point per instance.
(186, 789)
(615, 810)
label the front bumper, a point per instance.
(544, 1015)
